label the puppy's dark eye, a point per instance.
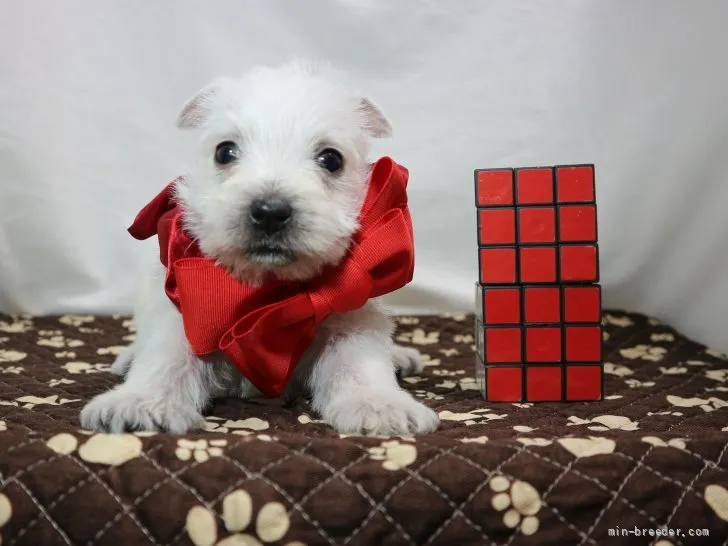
(226, 152)
(330, 160)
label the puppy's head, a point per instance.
(280, 171)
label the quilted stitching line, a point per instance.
(342, 474)
(42, 513)
(52, 505)
(596, 482)
(285, 495)
(169, 477)
(685, 450)
(252, 475)
(616, 494)
(691, 487)
(459, 509)
(650, 393)
(89, 475)
(380, 507)
(711, 464)
(422, 479)
(656, 472)
(9, 420)
(689, 417)
(686, 487)
(522, 450)
(27, 469)
(560, 516)
(209, 505)
(118, 500)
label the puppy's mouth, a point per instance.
(270, 254)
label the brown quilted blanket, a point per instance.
(651, 458)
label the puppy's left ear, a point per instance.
(374, 123)
(197, 109)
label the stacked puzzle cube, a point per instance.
(538, 299)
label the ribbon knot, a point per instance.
(265, 330)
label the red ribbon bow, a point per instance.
(265, 330)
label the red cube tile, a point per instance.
(535, 186)
(498, 265)
(543, 344)
(537, 225)
(504, 384)
(575, 184)
(497, 226)
(579, 263)
(542, 304)
(578, 224)
(582, 303)
(538, 264)
(584, 383)
(494, 187)
(502, 345)
(583, 343)
(543, 384)
(502, 306)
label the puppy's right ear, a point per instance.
(197, 109)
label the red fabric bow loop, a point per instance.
(265, 330)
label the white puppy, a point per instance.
(275, 186)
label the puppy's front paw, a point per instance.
(407, 361)
(120, 410)
(385, 413)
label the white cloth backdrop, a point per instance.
(89, 92)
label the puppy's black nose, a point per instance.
(270, 215)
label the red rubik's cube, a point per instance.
(538, 299)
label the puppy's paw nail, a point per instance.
(120, 410)
(393, 413)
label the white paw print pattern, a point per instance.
(617, 369)
(85, 367)
(408, 321)
(12, 356)
(519, 501)
(199, 450)
(605, 422)
(427, 360)
(393, 454)
(29, 402)
(419, 337)
(621, 322)
(108, 449)
(241, 427)
(475, 417)
(19, 325)
(644, 352)
(56, 382)
(427, 395)
(6, 511)
(55, 339)
(75, 320)
(716, 354)
(114, 350)
(271, 523)
(711, 404)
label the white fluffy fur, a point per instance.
(280, 118)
